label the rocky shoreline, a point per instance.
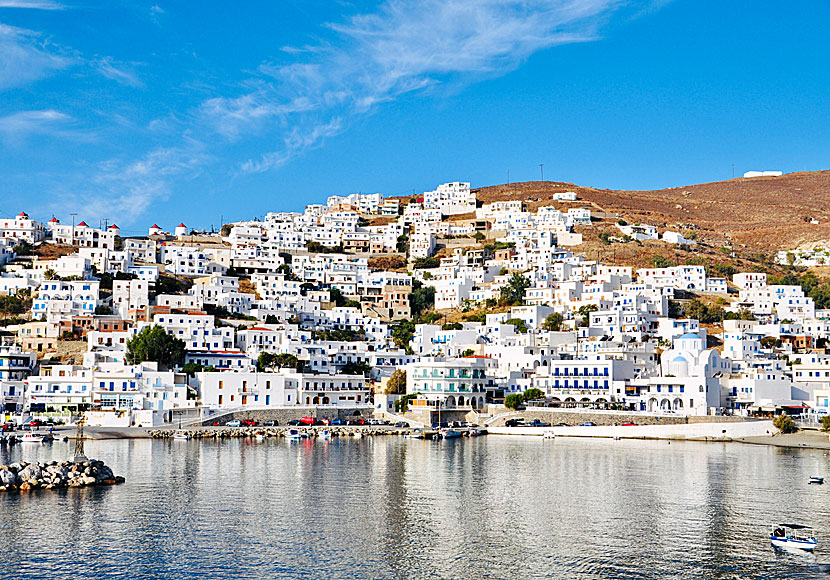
(24, 476)
(241, 432)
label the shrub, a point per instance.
(785, 424)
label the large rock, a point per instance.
(29, 473)
(7, 478)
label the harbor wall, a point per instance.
(690, 432)
(579, 416)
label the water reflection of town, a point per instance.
(391, 507)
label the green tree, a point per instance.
(514, 401)
(785, 424)
(825, 423)
(553, 322)
(271, 319)
(513, 292)
(479, 237)
(584, 313)
(402, 333)
(402, 404)
(396, 385)
(103, 310)
(268, 361)
(661, 262)
(424, 263)
(467, 352)
(336, 296)
(452, 326)
(154, 344)
(421, 298)
(532, 394)
(356, 368)
(518, 323)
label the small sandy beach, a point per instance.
(804, 439)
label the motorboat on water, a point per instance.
(325, 435)
(295, 435)
(451, 433)
(32, 438)
(260, 436)
(180, 436)
(817, 479)
(793, 536)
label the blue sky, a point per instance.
(160, 111)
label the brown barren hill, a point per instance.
(761, 213)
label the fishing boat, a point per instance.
(32, 438)
(325, 435)
(180, 436)
(451, 433)
(793, 536)
(549, 435)
(817, 479)
(295, 435)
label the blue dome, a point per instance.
(691, 335)
(679, 358)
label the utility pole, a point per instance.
(508, 176)
(72, 241)
(542, 170)
(733, 171)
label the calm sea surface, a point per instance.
(491, 507)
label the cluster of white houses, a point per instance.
(585, 333)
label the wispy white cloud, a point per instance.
(116, 72)
(26, 57)
(32, 4)
(17, 127)
(123, 189)
(297, 141)
(405, 47)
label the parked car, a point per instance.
(233, 423)
(249, 423)
(271, 423)
(337, 421)
(562, 425)
(538, 423)
(628, 424)
(588, 424)
(295, 422)
(35, 423)
(355, 421)
(517, 422)
(401, 424)
(308, 420)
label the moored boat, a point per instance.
(793, 536)
(451, 433)
(549, 435)
(32, 438)
(295, 435)
(325, 435)
(180, 436)
(260, 436)
(816, 479)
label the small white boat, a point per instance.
(180, 436)
(549, 435)
(817, 479)
(451, 433)
(357, 433)
(325, 435)
(793, 536)
(32, 438)
(259, 437)
(295, 435)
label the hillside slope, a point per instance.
(760, 214)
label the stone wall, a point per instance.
(285, 414)
(579, 416)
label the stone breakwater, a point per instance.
(311, 432)
(55, 475)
